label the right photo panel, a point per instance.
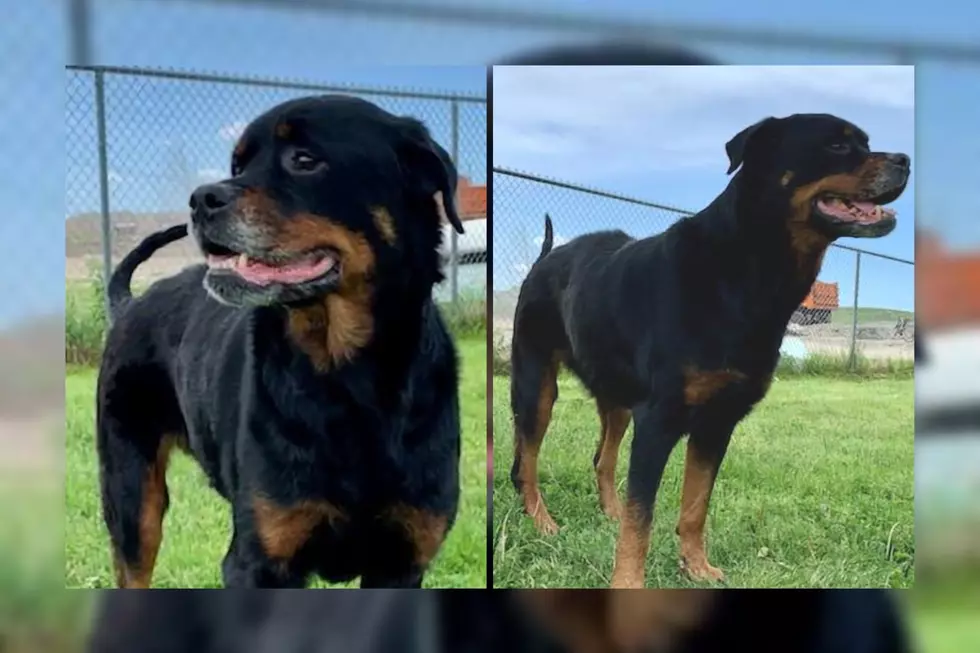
(703, 326)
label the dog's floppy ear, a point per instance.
(742, 141)
(430, 168)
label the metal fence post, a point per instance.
(80, 17)
(453, 236)
(852, 360)
(103, 188)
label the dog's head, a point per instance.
(819, 172)
(326, 194)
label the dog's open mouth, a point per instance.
(846, 210)
(267, 271)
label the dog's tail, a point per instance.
(119, 283)
(549, 238)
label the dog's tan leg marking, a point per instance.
(614, 422)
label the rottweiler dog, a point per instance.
(680, 332)
(488, 621)
(305, 365)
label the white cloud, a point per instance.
(232, 131)
(613, 120)
(523, 268)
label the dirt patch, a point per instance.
(28, 443)
(877, 340)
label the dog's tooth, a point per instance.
(242, 260)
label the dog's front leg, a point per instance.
(413, 535)
(658, 428)
(263, 550)
(711, 431)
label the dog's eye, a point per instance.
(839, 148)
(305, 162)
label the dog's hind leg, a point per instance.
(534, 389)
(134, 499)
(614, 422)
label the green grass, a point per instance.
(197, 527)
(815, 365)
(944, 610)
(840, 366)
(845, 315)
(85, 321)
(36, 614)
(946, 630)
(816, 491)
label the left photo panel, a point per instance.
(276, 329)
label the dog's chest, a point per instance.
(346, 500)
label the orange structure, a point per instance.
(819, 303)
(471, 200)
(947, 284)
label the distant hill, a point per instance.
(83, 242)
(83, 232)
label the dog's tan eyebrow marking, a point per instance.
(384, 224)
(284, 130)
(848, 131)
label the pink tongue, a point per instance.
(262, 275)
(866, 207)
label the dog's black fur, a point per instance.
(681, 331)
(482, 621)
(609, 53)
(324, 410)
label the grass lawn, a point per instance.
(944, 608)
(36, 614)
(197, 528)
(816, 491)
(950, 630)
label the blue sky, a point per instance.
(658, 133)
(366, 50)
(167, 136)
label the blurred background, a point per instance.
(324, 42)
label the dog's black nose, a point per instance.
(211, 198)
(900, 159)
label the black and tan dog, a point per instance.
(680, 332)
(305, 365)
(490, 621)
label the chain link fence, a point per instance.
(861, 305)
(139, 141)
